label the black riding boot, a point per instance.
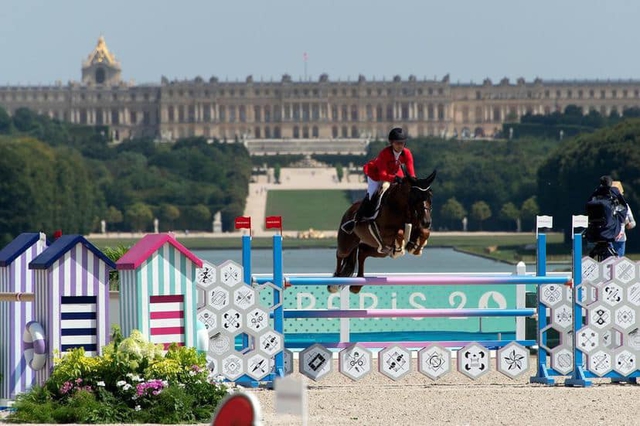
(365, 210)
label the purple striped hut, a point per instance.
(158, 290)
(15, 277)
(72, 297)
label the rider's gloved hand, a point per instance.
(397, 179)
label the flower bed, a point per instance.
(134, 381)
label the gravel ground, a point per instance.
(493, 399)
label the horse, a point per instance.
(403, 223)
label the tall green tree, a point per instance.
(480, 212)
(452, 213)
(139, 216)
(509, 212)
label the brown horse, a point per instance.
(403, 223)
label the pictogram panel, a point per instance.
(355, 361)
(473, 360)
(394, 362)
(434, 361)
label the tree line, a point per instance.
(56, 175)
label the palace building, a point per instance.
(323, 110)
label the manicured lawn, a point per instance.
(304, 209)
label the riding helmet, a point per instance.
(397, 134)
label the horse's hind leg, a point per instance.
(363, 253)
(345, 266)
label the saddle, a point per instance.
(378, 200)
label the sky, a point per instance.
(44, 41)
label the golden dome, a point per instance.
(101, 54)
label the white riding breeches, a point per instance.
(372, 187)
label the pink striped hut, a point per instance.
(158, 290)
(72, 297)
(15, 277)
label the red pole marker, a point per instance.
(243, 222)
(274, 222)
(238, 409)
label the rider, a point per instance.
(385, 167)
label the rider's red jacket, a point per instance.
(385, 166)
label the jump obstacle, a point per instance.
(574, 357)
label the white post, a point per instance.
(345, 332)
(521, 269)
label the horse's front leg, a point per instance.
(417, 244)
(398, 244)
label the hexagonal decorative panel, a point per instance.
(434, 361)
(257, 320)
(624, 271)
(232, 366)
(624, 317)
(562, 360)
(512, 360)
(587, 339)
(210, 320)
(590, 270)
(217, 298)
(633, 294)
(206, 276)
(270, 342)
(600, 362)
(355, 362)
(394, 362)
(633, 340)
(230, 273)
(221, 345)
(315, 362)
(257, 365)
(473, 360)
(244, 297)
(611, 293)
(231, 321)
(551, 294)
(562, 316)
(599, 316)
(624, 362)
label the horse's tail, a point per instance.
(348, 266)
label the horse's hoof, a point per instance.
(397, 253)
(333, 288)
(355, 289)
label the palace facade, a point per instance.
(305, 110)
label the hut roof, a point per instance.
(148, 245)
(18, 246)
(61, 246)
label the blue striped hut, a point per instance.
(158, 290)
(72, 297)
(15, 277)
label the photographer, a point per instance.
(621, 240)
(607, 211)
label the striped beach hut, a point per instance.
(158, 290)
(15, 277)
(72, 297)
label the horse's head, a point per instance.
(420, 200)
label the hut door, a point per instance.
(78, 324)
